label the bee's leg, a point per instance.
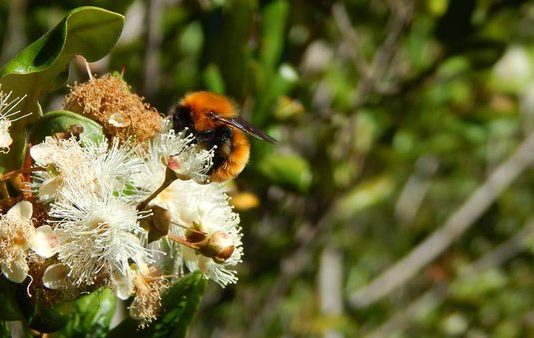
(207, 136)
(215, 136)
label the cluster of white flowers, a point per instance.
(101, 199)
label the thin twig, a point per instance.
(437, 294)
(461, 220)
(351, 39)
(330, 285)
(11, 174)
(414, 191)
(401, 14)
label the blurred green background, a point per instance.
(389, 115)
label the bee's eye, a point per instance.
(212, 114)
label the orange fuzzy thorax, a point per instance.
(202, 103)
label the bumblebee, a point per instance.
(213, 120)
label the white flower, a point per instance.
(17, 236)
(98, 234)
(7, 117)
(203, 208)
(115, 166)
(66, 157)
(177, 151)
(98, 166)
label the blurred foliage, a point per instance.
(386, 122)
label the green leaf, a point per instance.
(277, 85)
(10, 308)
(43, 65)
(46, 320)
(292, 171)
(273, 80)
(213, 79)
(58, 121)
(179, 305)
(273, 24)
(39, 316)
(4, 330)
(15, 157)
(89, 316)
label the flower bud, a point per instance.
(219, 247)
(159, 223)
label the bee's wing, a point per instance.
(247, 127)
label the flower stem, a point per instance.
(169, 178)
(182, 241)
(14, 173)
(4, 193)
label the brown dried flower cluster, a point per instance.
(109, 101)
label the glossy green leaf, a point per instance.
(179, 305)
(292, 171)
(58, 121)
(43, 65)
(89, 316)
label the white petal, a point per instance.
(24, 209)
(41, 152)
(5, 139)
(49, 188)
(17, 271)
(119, 120)
(44, 241)
(55, 276)
(123, 285)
